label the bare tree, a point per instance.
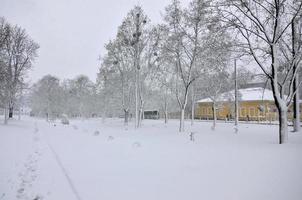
(119, 63)
(263, 27)
(133, 57)
(46, 98)
(185, 29)
(81, 89)
(296, 34)
(17, 54)
(216, 82)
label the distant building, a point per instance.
(151, 114)
(255, 104)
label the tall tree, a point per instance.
(46, 98)
(186, 27)
(132, 56)
(262, 28)
(17, 53)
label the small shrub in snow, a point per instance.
(136, 144)
(110, 138)
(38, 197)
(236, 129)
(36, 139)
(192, 136)
(96, 133)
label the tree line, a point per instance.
(50, 97)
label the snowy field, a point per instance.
(43, 161)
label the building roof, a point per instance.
(247, 94)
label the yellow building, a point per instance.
(255, 104)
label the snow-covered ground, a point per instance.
(43, 161)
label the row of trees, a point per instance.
(170, 64)
(191, 50)
(165, 59)
(17, 53)
(77, 97)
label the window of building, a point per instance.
(242, 112)
(252, 112)
(209, 111)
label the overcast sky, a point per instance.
(72, 33)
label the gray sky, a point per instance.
(72, 33)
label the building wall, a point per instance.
(248, 111)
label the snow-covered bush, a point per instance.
(110, 138)
(64, 119)
(136, 144)
(96, 133)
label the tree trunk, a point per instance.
(192, 107)
(236, 96)
(126, 112)
(192, 115)
(214, 116)
(166, 108)
(136, 100)
(19, 117)
(140, 117)
(166, 116)
(278, 97)
(182, 120)
(10, 114)
(283, 128)
(141, 111)
(296, 106)
(5, 115)
(104, 116)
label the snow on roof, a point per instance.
(248, 94)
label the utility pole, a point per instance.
(236, 97)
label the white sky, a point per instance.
(72, 33)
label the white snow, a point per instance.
(248, 94)
(43, 161)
